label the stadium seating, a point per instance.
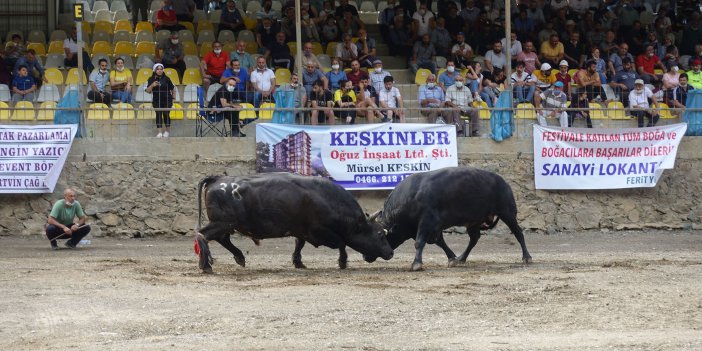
(98, 111)
(282, 76)
(145, 111)
(121, 35)
(5, 93)
(24, 111)
(420, 78)
(122, 111)
(525, 110)
(72, 76)
(192, 76)
(54, 76)
(48, 92)
(616, 111)
(173, 75)
(266, 111)
(4, 111)
(125, 25)
(177, 112)
(55, 47)
(597, 111)
(665, 111)
(141, 94)
(46, 112)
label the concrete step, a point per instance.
(402, 75)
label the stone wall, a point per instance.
(148, 188)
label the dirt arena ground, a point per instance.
(584, 291)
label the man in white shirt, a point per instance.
(390, 99)
(640, 107)
(461, 51)
(263, 81)
(495, 58)
(551, 104)
(524, 85)
(460, 99)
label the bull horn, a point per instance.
(375, 215)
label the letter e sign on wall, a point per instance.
(78, 12)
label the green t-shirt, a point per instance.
(65, 214)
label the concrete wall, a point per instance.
(146, 186)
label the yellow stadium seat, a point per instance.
(420, 78)
(483, 110)
(192, 76)
(54, 76)
(293, 47)
(188, 25)
(122, 111)
(282, 76)
(658, 71)
(266, 112)
(250, 23)
(39, 48)
(124, 48)
(204, 25)
(87, 28)
(597, 111)
(173, 75)
(317, 48)
(46, 112)
(143, 25)
(615, 110)
(146, 111)
(331, 49)
(190, 48)
(665, 111)
(229, 46)
(525, 110)
(177, 112)
(145, 47)
(247, 111)
(4, 111)
(192, 111)
(55, 47)
(205, 48)
(24, 111)
(251, 47)
(103, 26)
(72, 76)
(98, 111)
(143, 74)
(123, 25)
(102, 47)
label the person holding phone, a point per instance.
(162, 91)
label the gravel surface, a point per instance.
(583, 291)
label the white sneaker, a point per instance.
(159, 135)
(165, 134)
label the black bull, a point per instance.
(424, 204)
(274, 205)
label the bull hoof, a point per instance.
(299, 265)
(526, 260)
(453, 262)
(207, 270)
(342, 264)
(240, 261)
(416, 267)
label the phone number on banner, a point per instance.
(379, 178)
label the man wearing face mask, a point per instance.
(694, 76)
(231, 18)
(262, 81)
(98, 80)
(309, 57)
(639, 104)
(459, 98)
(173, 54)
(228, 100)
(213, 65)
(377, 75)
(242, 56)
(241, 77)
(448, 77)
(267, 11)
(266, 34)
(166, 18)
(61, 223)
(345, 98)
(646, 64)
(679, 95)
(431, 99)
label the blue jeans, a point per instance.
(257, 96)
(428, 64)
(53, 232)
(519, 93)
(122, 96)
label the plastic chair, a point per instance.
(664, 111)
(54, 61)
(101, 35)
(98, 111)
(483, 110)
(105, 26)
(118, 5)
(266, 111)
(5, 93)
(615, 111)
(226, 36)
(367, 6)
(39, 48)
(124, 48)
(54, 76)
(251, 47)
(324, 61)
(125, 25)
(205, 48)
(4, 111)
(173, 75)
(597, 111)
(144, 61)
(146, 111)
(331, 49)
(191, 61)
(144, 25)
(103, 16)
(247, 111)
(143, 74)
(72, 76)
(190, 48)
(184, 35)
(142, 95)
(58, 35)
(122, 111)
(36, 36)
(55, 47)
(204, 25)
(48, 92)
(188, 25)
(192, 76)
(215, 16)
(282, 76)
(145, 47)
(205, 36)
(190, 93)
(101, 47)
(121, 35)
(100, 5)
(177, 112)
(46, 111)
(144, 35)
(420, 78)
(525, 110)
(317, 48)
(121, 15)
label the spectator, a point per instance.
(30, 61)
(564, 77)
(470, 13)
(474, 79)
(551, 104)
(241, 79)
(461, 52)
(287, 25)
(529, 57)
(121, 82)
(495, 58)
(312, 74)
(308, 23)
(524, 25)
(263, 82)
(321, 100)
(336, 75)
(267, 11)
(671, 56)
(679, 97)
(245, 59)
(574, 50)
(616, 59)
(279, 52)
(166, 18)
(552, 51)
(299, 92)
(366, 49)
(346, 51)
(523, 84)
(266, 33)
(640, 106)
(546, 33)
(162, 91)
(448, 77)
(516, 45)
(431, 99)
(694, 77)
(377, 76)
(61, 221)
(345, 99)
(600, 64)
(391, 100)
(138, 6)
(184, 10)
(589, 80)
(14, 49)
(544, 77)
(386, 20)
(460, 99)
(5, 76)
(213, 64)
(231, 18)
(453, 23)
(330, 30)
(623, 82)
(228, 100)
(365, 103)
(400, 40)
(671, 80)
(344, 6)
(70, 49)
(309, 57)
(356, 74)
(97, 81)
(535, 13)
(350, 24)
(646, 64)
(423, 20)
(580, 108)
(609, 46)
(423, 54)
(173, 54)
(23, 86)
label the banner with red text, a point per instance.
(32, 157)
(581, 158)
(357, 157)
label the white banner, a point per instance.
(581, 158)
(357, 157)
(32, 157)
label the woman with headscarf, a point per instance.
(163, 93)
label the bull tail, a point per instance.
(202, 185)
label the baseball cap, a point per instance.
(558, 84)
(563, 63)
(639, 81)
(545, 67)
(696, 62)
(461, 33)
(377, 62)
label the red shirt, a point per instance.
(165, 16)
(565, 79)
(648, 63)
(216, 64)
(355, 78)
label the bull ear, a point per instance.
(375, 215)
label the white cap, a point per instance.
(545, 66)
(157, 66)
(563, 63)
(639, 81)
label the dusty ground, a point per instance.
(584, 291)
